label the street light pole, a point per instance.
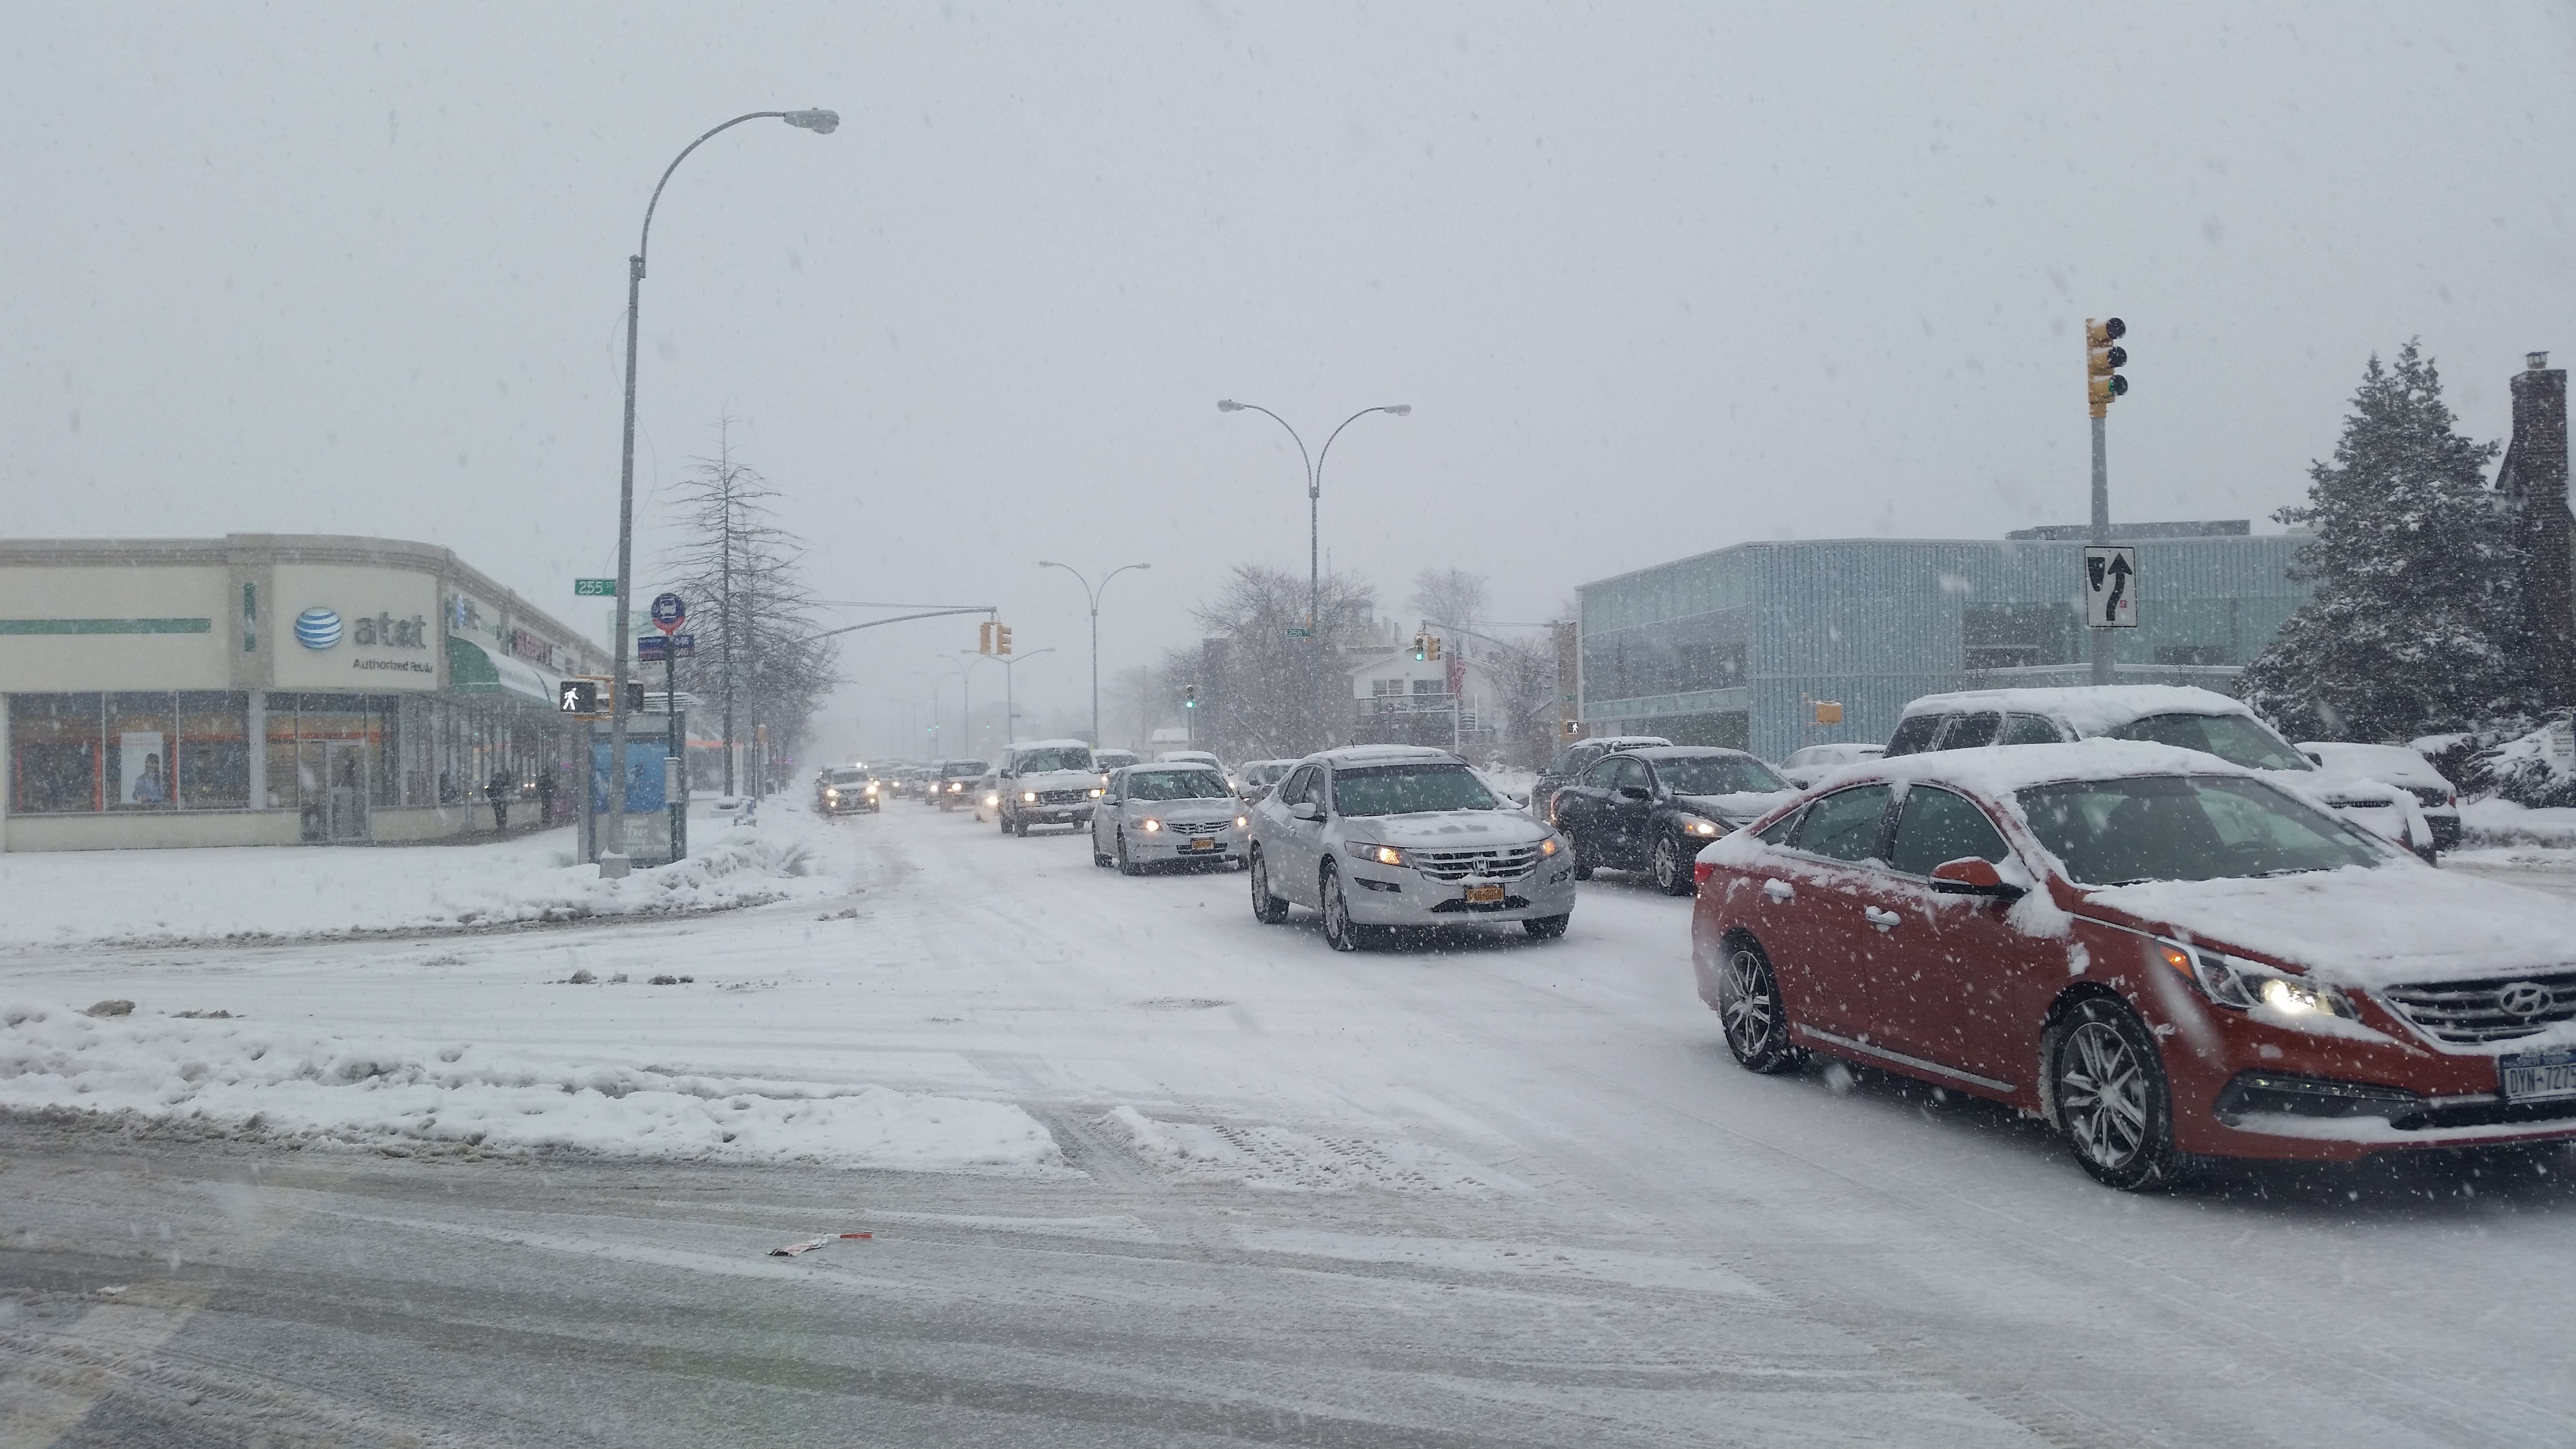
(1314, 489)
(612, 862)
(1010, 711)
(1094, 596)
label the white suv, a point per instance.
(1376, 836)
(1048, 782)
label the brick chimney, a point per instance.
(2534, 483)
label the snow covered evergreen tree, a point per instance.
(2415, 620)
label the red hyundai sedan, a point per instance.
(2164, 955)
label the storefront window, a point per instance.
(333, 757)
(137, 750)
(53, 753)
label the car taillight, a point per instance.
(1700, 871)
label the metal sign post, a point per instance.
(669, 612)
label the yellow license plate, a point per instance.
(1484, 895)
(1200, 845)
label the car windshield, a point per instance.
(1718, 775)
(2233, 738)
(1175, 785)
(965, 768)
(2187, 827)
(1409, 789)
(1067, 757)
(848, 777)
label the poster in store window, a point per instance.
(142, 768)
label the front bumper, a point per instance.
(1229, 844)
(1379, 895)
(1049, 814)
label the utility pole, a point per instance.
(2103, 382)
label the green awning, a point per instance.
(473, 669)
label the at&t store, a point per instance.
(271, 689)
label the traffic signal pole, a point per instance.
(2103, 672)
(2102, 363)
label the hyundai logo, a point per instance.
(2526, 999)
(317, 628)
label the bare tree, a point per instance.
(1451, 596)
(1522, 673)
(754, 618)
(1262, 690)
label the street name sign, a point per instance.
(2111, 586)
(594, 588)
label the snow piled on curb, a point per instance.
(286, 892)
(2492, 823)
(1281, 1160)
(312, 1089)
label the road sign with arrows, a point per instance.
(2111, 586)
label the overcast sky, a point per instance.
(1656, 278)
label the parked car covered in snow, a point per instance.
(1167, 813)
(1651, 809)
(1806, 766)
(2165, 714)
(1047, 782)
(2402, 767)
(1376, 836)
(2167, 956)
(1572, 761)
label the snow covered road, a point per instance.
(1483, 1191)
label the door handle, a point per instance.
(1779, 890)
(1884, 920)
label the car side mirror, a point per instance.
(1305, 810)
(1972, 876)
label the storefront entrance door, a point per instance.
(344, 765)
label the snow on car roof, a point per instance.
(1381, 754)
(1675, 752)
(2091, 709)
(1025, 746)
(2000, 770)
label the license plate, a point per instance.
(1484, 895)
(2538, 1076)
(1200, 845)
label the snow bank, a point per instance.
(2492, 823)
(311, 1088)
(277, 891)
(1279, 1159)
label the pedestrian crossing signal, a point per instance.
(577, 697)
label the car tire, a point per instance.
(1547, 928)
(1340, 931)
(1268, 909)
(1582, 858)
(1751, 1013)
(1127, 864)
(2108, 1086)
(1672, 869)
(1003, 821)
(1020, 826)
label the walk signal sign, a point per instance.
(578, 698)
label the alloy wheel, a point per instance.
(1748, 1005)
(1670, 875)
(1339, 933)
(2102, 1093)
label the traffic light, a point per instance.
(2102, 362)
(1421, 647)
(1189, 696)
(1001, 638)
(1434, 642)
(984, 637)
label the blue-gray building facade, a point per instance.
(1738, 646)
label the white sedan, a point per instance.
(1167, 812)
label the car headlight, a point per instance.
(830, 794)
(1701, 825)
(1242, 822)
(1382, 854)
(2242, 985)
(872, 787)
(1028, 797)
(993, 799)
(1096, 792)
(1152, 825)
(1547, 847)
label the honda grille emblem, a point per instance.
(2526, 998)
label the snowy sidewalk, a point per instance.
(286, 892)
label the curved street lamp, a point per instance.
(1314, 488)
(1094, 595)
(613, 862)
